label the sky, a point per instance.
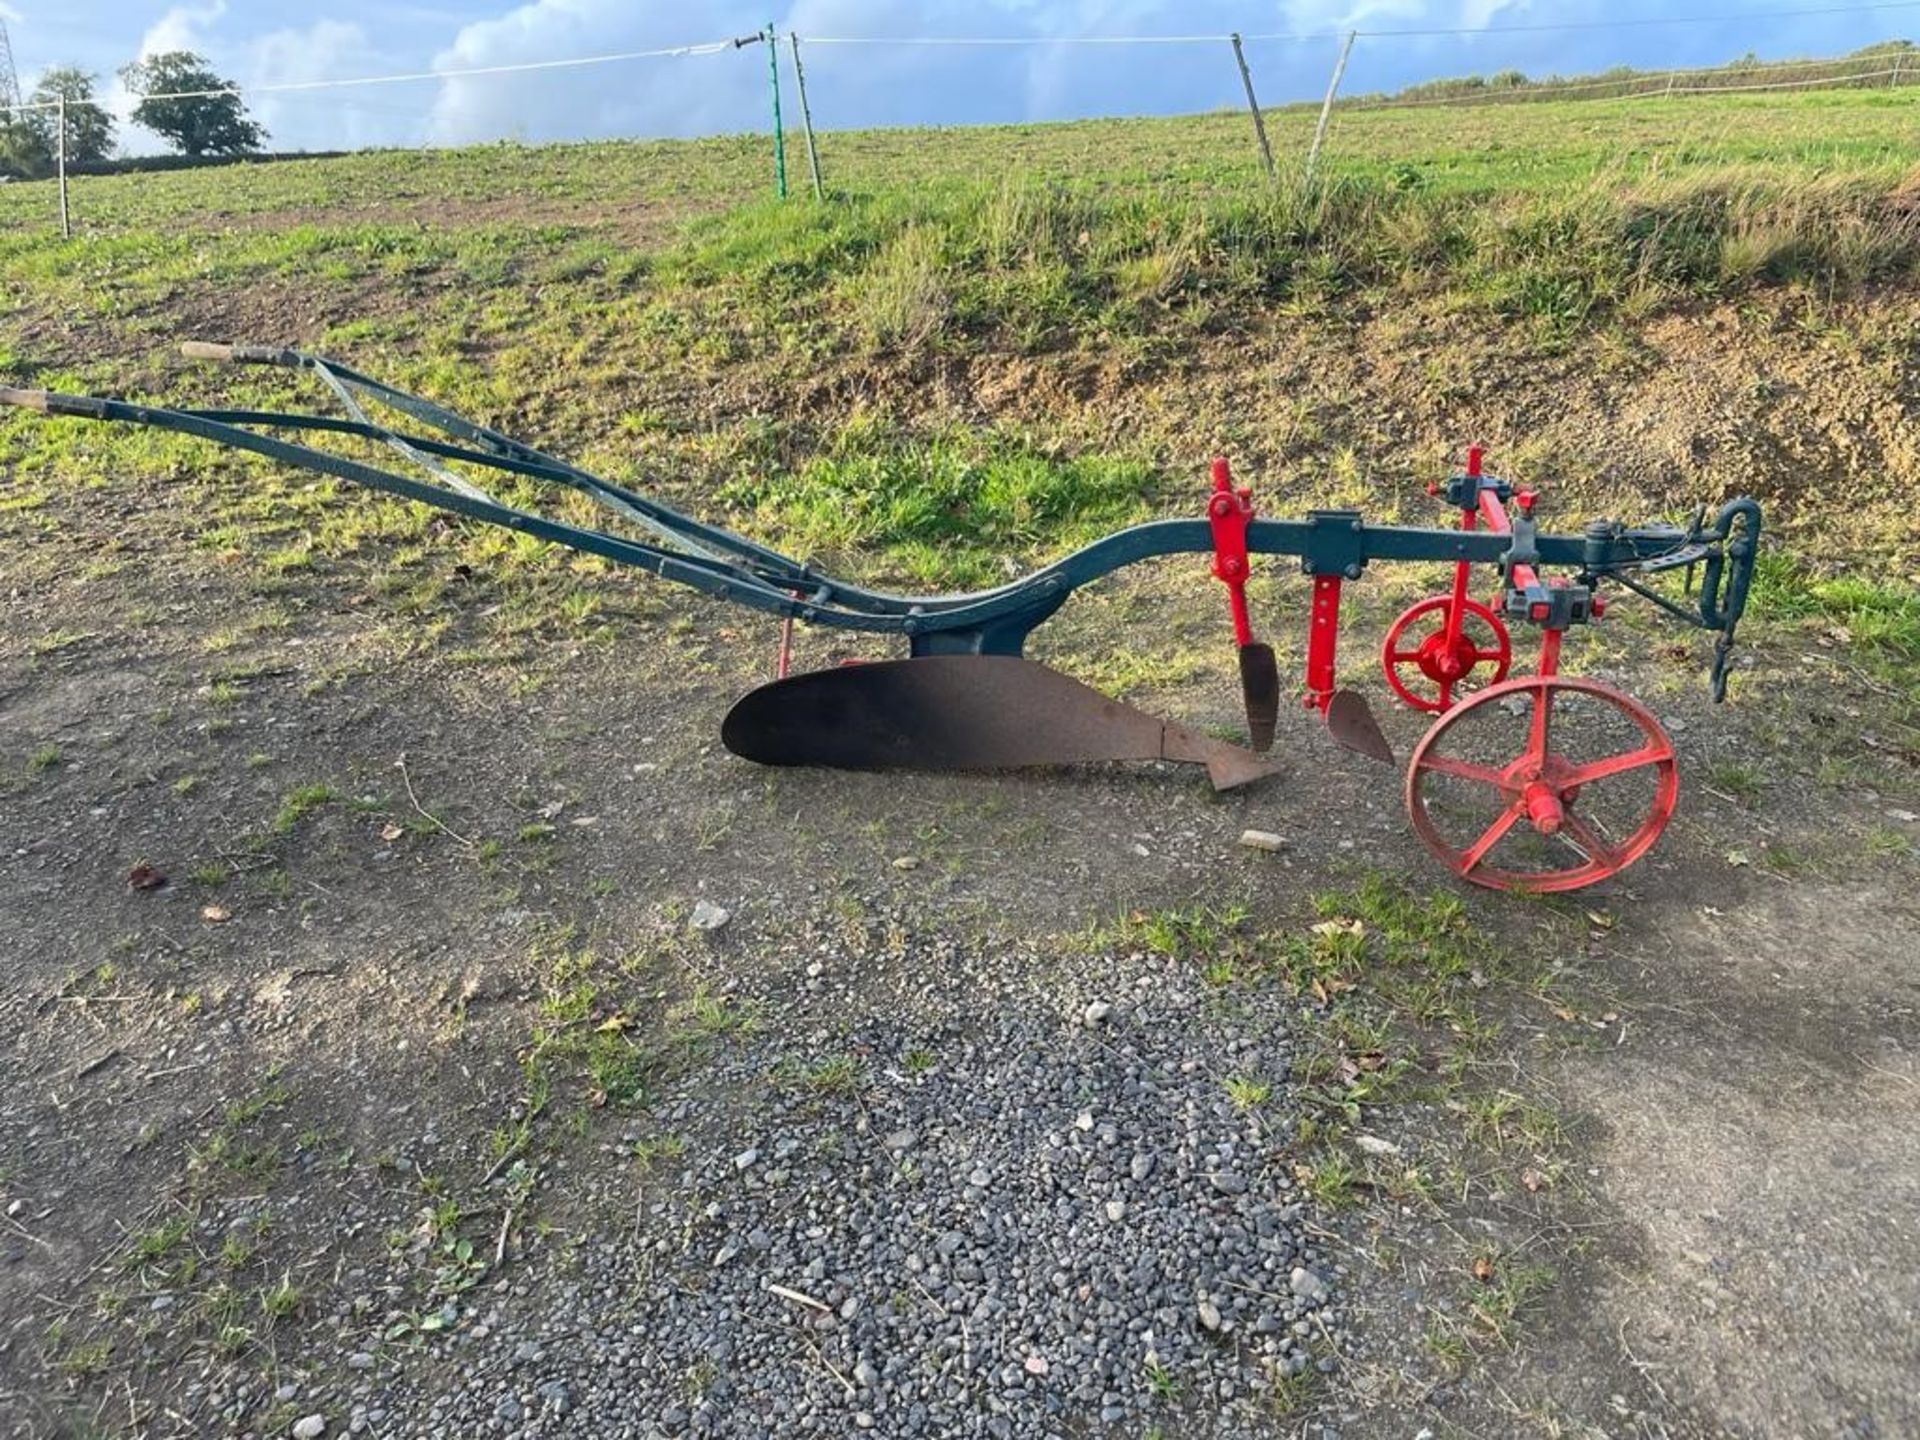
(277, 42)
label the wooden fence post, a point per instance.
(1253, 104)
(1326, 106)
(60, 121)
(806, 115)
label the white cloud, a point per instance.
(332, 119)
(849, 86)
(182, 28)
(1318, 15)
(686, 95)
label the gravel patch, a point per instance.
(941, 1197)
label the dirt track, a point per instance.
(1731, 1237)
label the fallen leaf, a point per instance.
(391, 831)
(1035, 1364)
(217, 914)
(1340, 927)
(1483, 1268)
(1738, 857)
(145, 877)
(615, 1025)
(1532, 1179)
(1599, 919)
(1371, 1060)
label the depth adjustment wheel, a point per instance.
(1428, 672)
(1592, 785)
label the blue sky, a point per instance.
(264, 42)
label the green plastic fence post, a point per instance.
(779, 136)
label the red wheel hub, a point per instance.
(1542, 789)
(1428, 673)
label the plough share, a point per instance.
(1527, 781)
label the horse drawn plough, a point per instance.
(1528, 779)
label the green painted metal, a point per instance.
(779, 134)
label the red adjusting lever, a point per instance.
(1228, 512)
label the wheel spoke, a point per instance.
(1656, 754)
(1476, 852)
(1446, 693)
(1539, 732)
(1463, 770)
(1582, 834)
(1404, 657)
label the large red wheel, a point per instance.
(1428, 673)
(1542, 783)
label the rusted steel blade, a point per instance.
(1350, 722)
(961, 712)
(1260, 687)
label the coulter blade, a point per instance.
(961, 712)
(1260, 688)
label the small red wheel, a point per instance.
(1445, 666)
(1527, 784)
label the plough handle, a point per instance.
(52, 402)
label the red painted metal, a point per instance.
(1228, 513)
(1541, 787)
(783, 662)
(1323, 633)
(1549, 663)
(1445, 656)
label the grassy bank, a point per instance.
(935, 378)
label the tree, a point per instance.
(200, 123)
(33, 140)
(23, 149)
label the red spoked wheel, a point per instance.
(1436, 665)
(1542, 783)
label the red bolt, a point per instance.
(1524, 499)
